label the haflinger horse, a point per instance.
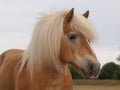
(60, 38)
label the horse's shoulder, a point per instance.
(9, 66)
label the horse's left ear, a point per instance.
(86, 14)
(69, 15)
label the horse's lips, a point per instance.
(86, 75)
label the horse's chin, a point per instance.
(86, 75)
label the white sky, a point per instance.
(18, 17)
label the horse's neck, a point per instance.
(53, 73)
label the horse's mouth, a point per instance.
(88, 75)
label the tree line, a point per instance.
(110, 70)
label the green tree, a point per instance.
(110, 71)
(118, 72)
(118, 58)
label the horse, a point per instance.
(60, 39)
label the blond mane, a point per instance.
(44, 47)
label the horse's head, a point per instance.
(75, 45)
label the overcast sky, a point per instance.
(18, 18)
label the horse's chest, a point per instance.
(45, 82)
(50, 84)
(55, 85)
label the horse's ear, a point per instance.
(69, 15)
(86, 14)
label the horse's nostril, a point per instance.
(91, 69)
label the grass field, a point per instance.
(97, 85)
(88, 87)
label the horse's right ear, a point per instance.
(86, 14)
(69, 15)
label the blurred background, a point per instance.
(18, 19)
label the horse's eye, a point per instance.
(72, 37)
